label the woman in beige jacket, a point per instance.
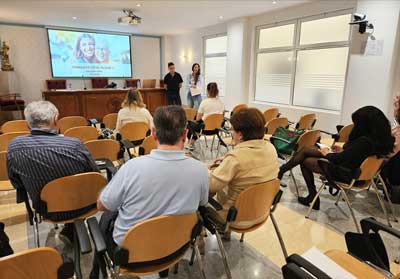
(253, 161)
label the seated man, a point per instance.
(36, 159)
(165, 182)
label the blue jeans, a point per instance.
(193, 101)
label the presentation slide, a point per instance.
(83, 54)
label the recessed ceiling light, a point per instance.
(74, 18)
(274, 2)
(138, 5)
(221, 17)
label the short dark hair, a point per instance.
(250, 122)
(170, 123)
(170, 64)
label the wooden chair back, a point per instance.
(149, 83)
(99, 82)
(54, 84)
(238, 108)
(134, 131)
(309, 138)
(83, 133)
(307, 122)
(159, 237)
(73, 192)
(5, 139)
(103, 149)
(213, 122)
(256, 201)
(15, 126)
(273, 124)
(370, 167)
(149, 143)
(110, 120)
(71, 121)
(36, 263)
(133, 83)
(3, 166)
(190, 113)
(344, 133)
(270, 114)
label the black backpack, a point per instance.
(5, 248)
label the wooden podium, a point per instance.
(96, 103)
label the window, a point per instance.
(215, 61)
(303, 62)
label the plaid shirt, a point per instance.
(36, 159)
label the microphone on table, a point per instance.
(84, 84)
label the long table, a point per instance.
(96, 103)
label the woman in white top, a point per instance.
(133, 110)
(194, 87)
(211, 105)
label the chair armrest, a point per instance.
(93, 122)
(215, 204)
(306, 265)
(370, 223)
(97, 236)
(67, 269)
(277, 138)
(127, 144)
(83, 237)
(108, 166)
(232, 212)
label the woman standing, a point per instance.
(194, 86)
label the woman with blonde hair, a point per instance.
(133, 110)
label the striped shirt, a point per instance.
(36, 159)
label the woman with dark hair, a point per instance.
(371, 135)
(133, 110)
(194, 86)
(85, 49)
(252, 161)
(211, 105)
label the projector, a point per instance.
(130, 18)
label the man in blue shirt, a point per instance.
(165, 182)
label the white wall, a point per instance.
(186, 49)
(29, 54)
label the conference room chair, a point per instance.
(6, 139)
(273, 124)
(5, 184)
(132, 83)
(105, 154)
(15, 126)
(67, 194)
(54, 84)
(68, 122)
(99, 82)
(132, 134)
(149, 83)
(83, 133)
(255, 203)
(190, 113)
(110, 120)
(149, 143)
(362, 179)
(36, 263)
(308, 139)
(212, 125)
(270, 114)
(340, 138)
(151, 246)
(306, 122)
(366, 258)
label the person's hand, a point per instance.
(336, 149)
(324, 151)
(395, 105)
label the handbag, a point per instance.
(285, 140)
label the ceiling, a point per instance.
(158, 17)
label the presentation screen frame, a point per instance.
(91, 32)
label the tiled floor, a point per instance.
(260, 256)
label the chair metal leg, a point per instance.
(77, 258)
(176, 267)
(212, 143)
(314, 200)
(192, 257)
(278, 233)
(381, 203)
(389, 200)
(242, 237)
(346, 198)
(198, 256)
(295, 183)
(338, 198)
(223, 254)
(36, 237)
